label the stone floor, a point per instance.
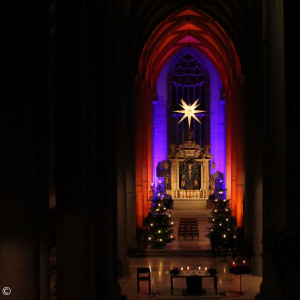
(184, 253)
(228, 284)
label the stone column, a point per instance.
(87, 183)
(275, 170)
(24, 204)
(123, 148)
(130, 162)
(253, 145)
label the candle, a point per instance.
(199, 269)
(205, 269)
(244, 261)
(181, 269)
(233, 263)
(188, 268)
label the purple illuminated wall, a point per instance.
(216, 114)
(217, 120)
(160, 120)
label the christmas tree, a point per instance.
(158, 222)
(221, 220)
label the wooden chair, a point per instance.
(144, 277)
(181, 231)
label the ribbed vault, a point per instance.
(190, 28)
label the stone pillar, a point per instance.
(131, 206)
(253, 145)
(130, 162)
(123, 149)
(257, 228)
(275, 170)
(228, 107)
(86, 161)
(141, 150)
(24, 204)
(237, 151)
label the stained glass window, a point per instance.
(188, 81)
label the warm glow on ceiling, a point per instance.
(189, 28)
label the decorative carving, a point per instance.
(190, 135)
(198, 152)
(180, 152)
(174, 175)
(189, 170)
(168, 182)
(206, 153)
(190, 149)
(212, 182)
(196, 182)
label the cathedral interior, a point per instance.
(101, 99)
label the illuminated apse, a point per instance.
(215, 112)
(189, 37)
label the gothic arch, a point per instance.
(190, 27)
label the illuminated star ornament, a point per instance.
(189, 111)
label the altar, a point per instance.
(187, 178)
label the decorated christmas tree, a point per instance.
(158, 222)
(221, 220)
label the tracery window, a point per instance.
(188, 81)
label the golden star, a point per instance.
(189, 111)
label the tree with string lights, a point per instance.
(221, 221)
(158, 223)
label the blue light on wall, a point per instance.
(160, 120)
(216, 119)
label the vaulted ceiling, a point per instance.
(190, 28)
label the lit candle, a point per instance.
(188, 268)
(199, 269)
(244, 261)
(233, 263)
(181, 269)
(205, 269)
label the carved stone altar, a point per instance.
(189, 186)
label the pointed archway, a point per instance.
(190, 27)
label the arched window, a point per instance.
(187, 80)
